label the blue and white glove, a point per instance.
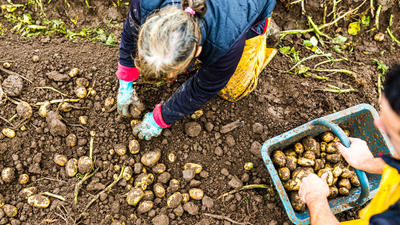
(127, 96)
(148, 128)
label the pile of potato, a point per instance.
(317, 155)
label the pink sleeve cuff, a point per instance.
(158, 117)
(127, 73)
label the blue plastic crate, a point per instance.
(360, 121)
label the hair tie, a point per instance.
(190, 11)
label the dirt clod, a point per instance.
(192, 129)
(56, 76)
(161, 219)
(56, 127)
(235, 182)
(13, 85)
(191, 208)
(256, 149)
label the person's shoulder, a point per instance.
(388, 217)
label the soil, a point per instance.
(281, 102)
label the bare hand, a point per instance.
(313, 188)
(357, 155)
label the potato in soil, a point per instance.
(298, 148)
(85, 164)
(39, 201)
(23, 178)
(71, 168)
(151, 158)
(333, 192)
(291, 163)
(174, 200)
(196, 193)
(8, 174)
(134, 147)
(134, 196)
(144, 207)
(284, 173)
(60, 160)
(185, 197)
(279, 158)
(10, 210)
(197, 168)
(24, 110)
(159, 190)
(296, 201)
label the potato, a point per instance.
(109, 102)
(159, 168)
(323, 146)
(83, 120)
(292, 185)
(134, 196)
(354, 180)
(120, 149)
(319, 164)
(298, 148)
(65, 107)
(85, 164)
(71, 168)
(127, 174)
(344, 191)
(323, 155)
(171, 157)
(346, 173)
(305, 162)
(159, 190)
(337, 170)
(144, 207)
(279, 158)
(291, 162)
(60, 160)
(39, 201)
(284, 173)
(144, 180)
(2, 200)
(309, 155)
(196, 193)
(6, 65)
(333, 192)
(344, 183)
(80, 92)
(197, 114)
(148, 195)
(81, 81)
(347, 132)
(301, 172)
(73, 72)
(26, 192)
(333, 158)
(197, 168)
(331, 148)
(174, 185)
(296, 201)
(327, 137)
(310, 144)
(185, 197)
(134, 147)
(44, 108)
(8, 132)
(174, 200)
(336, 139)
(330, 178)
(290, 152)
(71, 140)
(23, 178)
(8, 174)
(10, 210)
(151, 158)
(24, 110)
(248, 166)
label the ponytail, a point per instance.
(198, 6)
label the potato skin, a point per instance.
(344, 191)
(310, 144)
(337, 170)
(333, 192)
(309, 155)
(333, 158)
(319, 164)
(296, 201)
(298, 148)
(279, 158)
(331, 148)
(354, 180)
(291, 163)
(284, 173)
(305, 162)
(344, 183)
(327, 137)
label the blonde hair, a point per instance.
(168, 40)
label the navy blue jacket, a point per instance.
(392, 215)
(224, 29)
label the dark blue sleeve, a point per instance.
(127, 48)
(389, 217)
(260, 26)
(205, 84)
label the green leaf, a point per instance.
(307, 43)
(339, 39)
(354, 28)
(284, 50)
(365, 20)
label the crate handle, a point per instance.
(346, 142)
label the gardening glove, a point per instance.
(148, 128)
(152, 124)
(126, 93)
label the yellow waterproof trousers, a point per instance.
(254, 59)
(388, 193)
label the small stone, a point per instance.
(179, 211)
(56, 127)
(144, 207)
(218, 151)
(207, 202)
(164, 177)
(258, 128)
(191, 208)
(245, 178)
(70, 140)
(273, 222)
(230, 141)
(35, 58)
(204, 174)
(224, 172)
(209, 126)
(95, 187)
(256, 149)
(195, 183)
(56, 76)
(26, 192)
(161, 219)
(197, 168)
(188, 174)
(192, 129)
(235, 182)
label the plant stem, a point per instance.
(330, 61)
(54, 196)
(391, 35)
(308, 58)
(247, 187)
(336, 71)
(378, 13)
(58, 101)
(78, 185)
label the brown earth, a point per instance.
(281, 101)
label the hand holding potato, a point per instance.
(357, 155)
(313, 188)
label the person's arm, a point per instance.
(314, 192)
(205, 84)
(360, 157)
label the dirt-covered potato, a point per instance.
(71, 168)
(248, 166)
(319, 164)
(333, 192)
(330, 178)
(196, 193)
(296, 201)
(43, 109)
(298, 148)
(8, 174)
(148, 195)
(331, 148)
(185, 197)
(134, 196)
(279, 158)
(80, 92)
(60, 160)
(10, 210)
(39, 201)
(171, 157)
(8, 132)
(109, 102)
(83, 120)
(73, 72)
(159, 190)
(291, 162)
(292, 185)
(120, 149)
(144, 207)
(85, 164)
(333, 158)
(71, 140)
(174, 185)
(159, 168)
(323, 146)
(134, 147)
(310, 144)
(301, 172)
(26, 192)
(354, 180)
(309, 155)
(327, 137)
(305, 162)
(290, 152)
(65, 107)
(151, 158)
(127, 174)
(81, 81)
(344, 191)
(337, 170)
(23, 178)
(197, 168)
(284, 173)
(323, 155)
(347, 132)
(174, 200)
(24, 110)
(344, 183)
(144, 180)
(347, 173)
